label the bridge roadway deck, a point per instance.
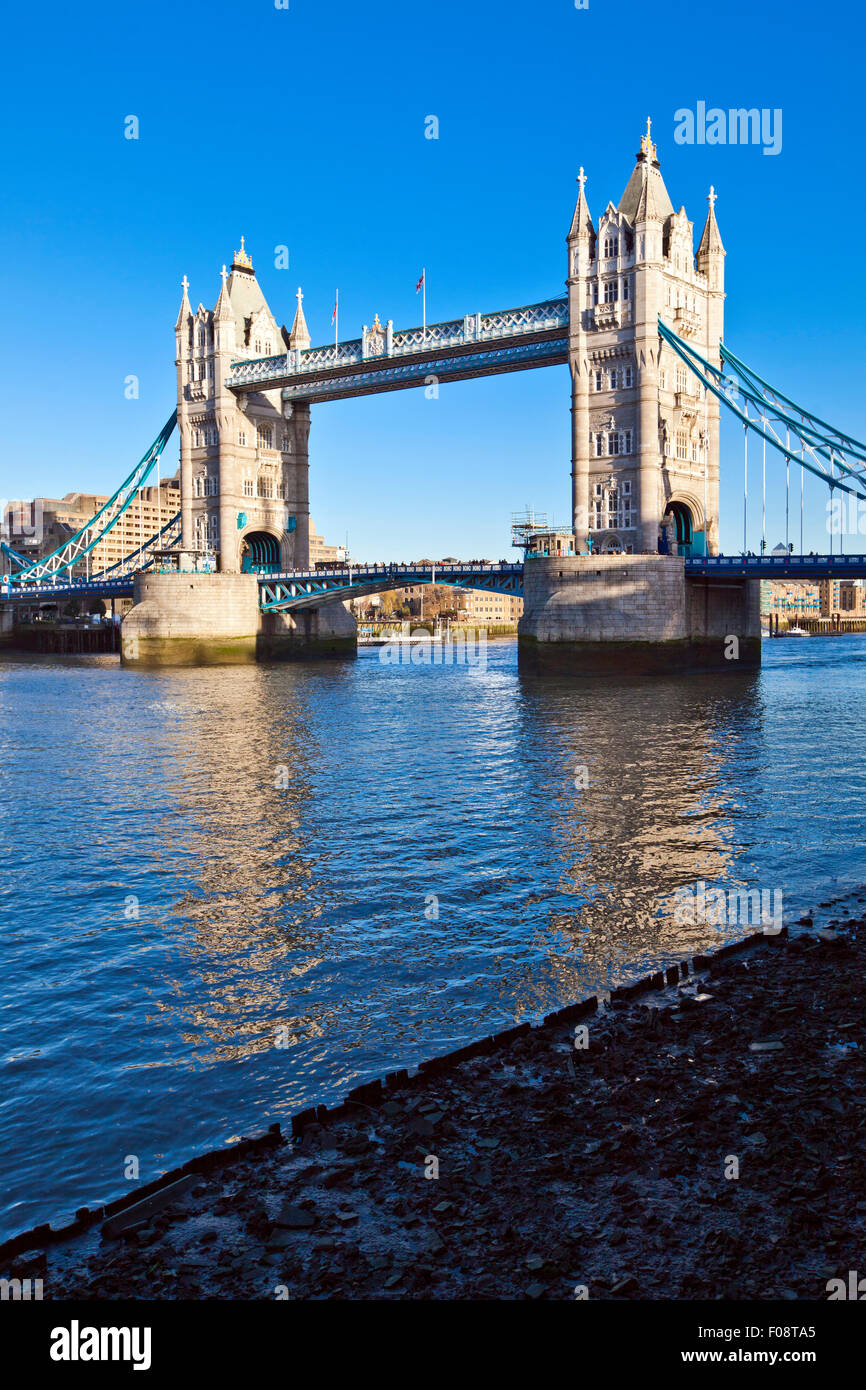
(306, 588)
(508, 340)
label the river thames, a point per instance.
(231, 892)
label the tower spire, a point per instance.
(645, 197)
(581, 222)
(185, 310)
(300, 334)
(223, 308)
(711, 240)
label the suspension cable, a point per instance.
(745, 490)
(787, 489)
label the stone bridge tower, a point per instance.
(244, 460)
(645, 434)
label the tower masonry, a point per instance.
(244, 460)
(645, 434)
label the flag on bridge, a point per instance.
(422, 285)
(336, 306)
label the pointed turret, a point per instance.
(710, 260)
(223, 310)
(581, 222)
(300, 334)
(224, 318)
(185, 311)
(646, 198)
(581, 236)
(711, 241)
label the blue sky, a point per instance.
(306, 127)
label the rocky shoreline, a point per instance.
(706, 1140)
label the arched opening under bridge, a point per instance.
(679, 534)
(260, 553)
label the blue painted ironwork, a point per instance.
(308, 589)
(142, 559)
(311, 588)
(533, 335)
(837, 459)
(12, 556)
(97, 528)
(776, 566)
(58, 589)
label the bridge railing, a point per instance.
(550, 314)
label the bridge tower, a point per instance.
(645, 438)
(244, 460)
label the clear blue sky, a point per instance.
(306, 127)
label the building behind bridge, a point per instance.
(477, 607)
(824, 598)
(39, 527)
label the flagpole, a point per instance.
(337, 319)
(424, 298)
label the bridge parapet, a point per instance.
(549, 316)
(306, 589)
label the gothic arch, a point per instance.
(693, 502)
(261, 550)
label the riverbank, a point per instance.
(706, 1142)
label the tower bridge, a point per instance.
(637, 574)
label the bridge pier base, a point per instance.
(634, 614)
(325, 631)
(191, 619)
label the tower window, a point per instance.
(627, 376)
(611, 291)
(614, 378)
(248, 487)
(242, 437)
(265, 437)
(599, 381)
(611, 246)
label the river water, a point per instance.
(231, 892)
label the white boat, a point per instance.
(798, 632)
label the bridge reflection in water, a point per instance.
(380, 860)
(308, 902)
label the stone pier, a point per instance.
(599, 614)
(191, 619)
(326, 631)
